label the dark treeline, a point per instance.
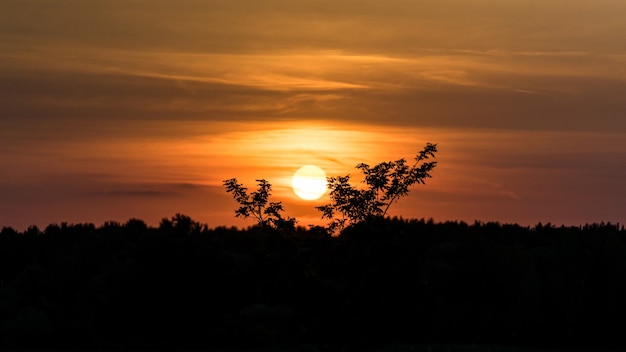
(186, 286)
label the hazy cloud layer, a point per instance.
(398, 26)
(565, 91)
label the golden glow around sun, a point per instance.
(309, 182)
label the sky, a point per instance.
(112, 110)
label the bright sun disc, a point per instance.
(309, 182)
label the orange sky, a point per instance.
(113, 110)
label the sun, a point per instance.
(309, 182)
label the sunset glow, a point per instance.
(142, 109)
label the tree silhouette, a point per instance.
(256, 205)
(185, 286)
(385, 184)
(179, 224)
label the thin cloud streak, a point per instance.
(294, 69)
(314, 85)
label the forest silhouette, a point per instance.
(183, 285)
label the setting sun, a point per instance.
(309, 182)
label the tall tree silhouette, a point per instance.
(257, 205)
(385, 184)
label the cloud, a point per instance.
(159, 191)
(481, 89)
(365, 26)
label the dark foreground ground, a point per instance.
(384, 285)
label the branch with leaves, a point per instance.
(385, 184)
(256, 205)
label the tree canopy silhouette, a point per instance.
(258, 206)
(385, 184)
(188, 287)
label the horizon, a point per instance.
(141, 110)
(298, 228)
